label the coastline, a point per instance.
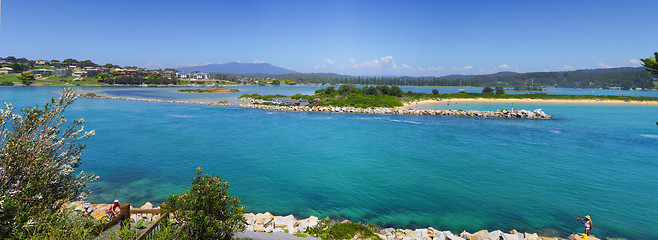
(265, 225)
(527, 100)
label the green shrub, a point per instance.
(348, 230)
(207, 211)
(38, 165)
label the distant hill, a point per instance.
(609, 70)
(498, 74)
(238, 68)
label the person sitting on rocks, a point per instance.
(588, 224)
(114, 209)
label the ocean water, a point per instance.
(451, 173)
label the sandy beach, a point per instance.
(527, 100)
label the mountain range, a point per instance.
(266, 69)
(238, 68)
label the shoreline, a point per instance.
(528, 100)
(290, 227)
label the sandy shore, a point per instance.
(527, 100)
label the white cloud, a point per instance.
(565, 68)
(183, 64)
(258, 61)
(604, 65)
(237, 61)
(461, 68)
(208, 63)
(635, 62)
(153, 64)
(504, 66)
(386, 65)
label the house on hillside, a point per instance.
(63, 72)
(5, 70)
(42, 72)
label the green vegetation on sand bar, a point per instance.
(209, 90)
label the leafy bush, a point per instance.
(500, 90)
(38, 164)
(207, 211)
(347, 230)
(487, 90)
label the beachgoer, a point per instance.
(88, 209)
(114, 209)
(588, 225)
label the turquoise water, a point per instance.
(451, 173)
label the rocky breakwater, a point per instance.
(525, 114)
(266, 222)
(219, 103)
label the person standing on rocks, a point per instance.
(588, 225)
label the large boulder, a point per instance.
(285, 223)
(147, 205)
(250, 217)
(264, 219)
(258, 228)
(515, 236)
(480, 235)
(450, 236)
(495, 234)
(465, 235)
(533, 236)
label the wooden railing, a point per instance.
(124, 218)
(153, 228)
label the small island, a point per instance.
(209, 90)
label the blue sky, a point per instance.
(428, 38)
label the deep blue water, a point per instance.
(451, 173)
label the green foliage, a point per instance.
(38, 164)
(276, 82)
(348, 230)
(140, 224)
(362, 101)
(300, 234)
(651, 63)
(435, 91)
(262, 97)
(487, 89)
(27, 78)
(207, 211)
(500, 90)
(347, 89)
(64, 224)
(6, 84)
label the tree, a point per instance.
(70, 61)
(27, 78)
(435, 91)
(155, 75)
(487, 89)
(38, 163)
(276, 82)
(651, 63)
(396, 91)
(500, 90)
(207, 211)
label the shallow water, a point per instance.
(452, 173)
